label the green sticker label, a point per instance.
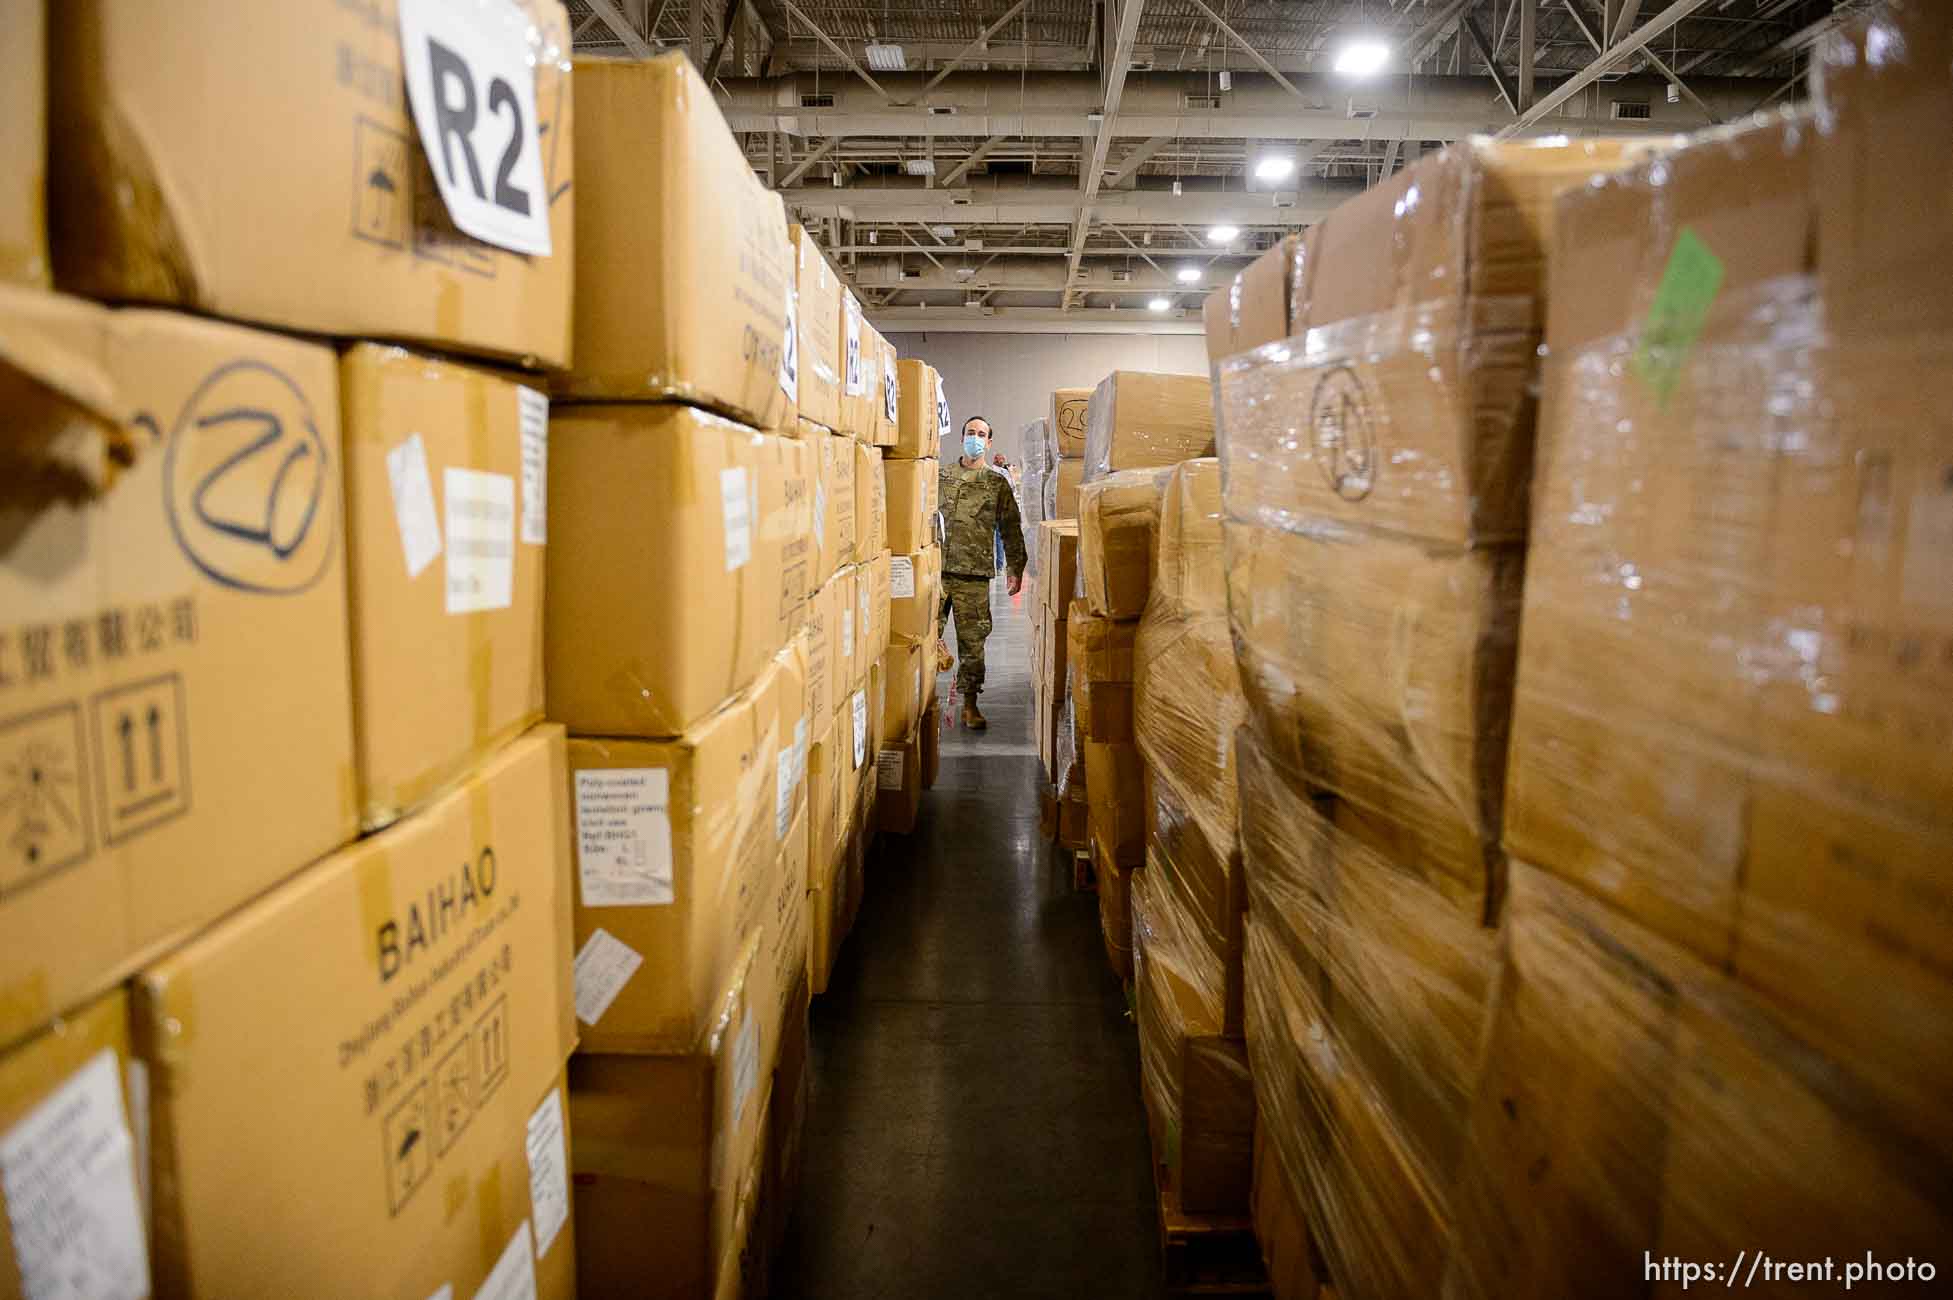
(1688, 289)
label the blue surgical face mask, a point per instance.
(973, 446)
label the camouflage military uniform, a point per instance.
(977, 505)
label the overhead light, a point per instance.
(1158, 304)
(874, 236)
(1176, 189)
(1674, 93)
(1362, 57)
(1147, 239)
(837, 178)
(1223, 234)
(944, 232)
(887, 58)
(1227, 81)
(1274, 167)
(919, 166)
(1187, 274)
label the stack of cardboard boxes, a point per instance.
(262, 597)
(1057, 547)
(906, 760)
(1650, 980)
(680, 659)
(1064, 461)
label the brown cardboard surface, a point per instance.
(1068, 406)
(677, 845)
(1058, 564)
(1115, 910)
(182, 681)
(819, 314)
(1141, 420)
(1281, 1226)
(1252, 308)
(659, 1144)
(908, 661)
(872, 610)
(784, 937)
(921, 575)
(898, 783)
(1100, 655)
(818, 653)
(915, 425)
(1117, 815)
(447, 660)
(870, 502)
(67, 1124)
(1065, 482)
(682, 262)
(65, 436)
(832, 461)
(415, 985)
(911, 487)
(253, 198)
(1206, 877)
(677, 566)
(1118, 527)
(23, 149)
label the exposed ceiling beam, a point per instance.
(1135, 158)
(1248, 49)
(613, 18)
(1499, 79)
(1797, 40)
(1144, 255)
(802, 167)
(973, 46)
(977, 155)
(1039, 250)
(1581, 20)
(1032, 320)
(1120, 63)
(1599, 68)
(1625, 20)
(924, 251)
(1528, 51)
(733, 9)
(796, 11)
(1435, 29)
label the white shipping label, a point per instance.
(514, 1274)
(783, 776)
(413, 504)
(445, 1293)
(745, 1065)
(737, 502)
(891, 396)
(855, 373)
(860, 729)
(942, 410)
(472, 85)
(623, 836)
(549, 1171)
(790, 345)
(604, 965)
(847, 632)
(68, 1172)
(901, 578)
(481, 540)
(532, 410)
(888, 769)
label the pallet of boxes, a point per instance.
(688, 544)
(909, 423)
(1063, 798)
(285, 998)
(1603, 888)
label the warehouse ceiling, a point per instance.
(1079, 164)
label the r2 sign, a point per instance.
(471, 80)
(942, 410)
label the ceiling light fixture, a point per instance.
(1274, 167)
(1223, 234)
(1158, 304)
(1362, 57)
(919, 166)
(887, 58)
(1187, 274)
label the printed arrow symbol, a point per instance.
(155, 720)
(127, 729)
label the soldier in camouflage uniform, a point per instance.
(978, 506)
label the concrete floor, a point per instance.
(975, 1126)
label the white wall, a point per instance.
(1008, 378)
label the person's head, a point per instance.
(976, 437)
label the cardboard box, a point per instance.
(848, 630)
(1100, 656)
(910, 664)
(932, 742)
(1117, 815)
(76, 1209)
(1050, 677)
(915, 590)
(1281, 1225)
(1204, 876)
(1058, 564)
(677, 563)
(1703, 1118)
(180, 678)
(677, 844)
(1115, 910)
(898, 783)
(919, 423)
(819, 314)
(1252, 308)
(661, 1146)
(1200, 1102)
(817, 650)
(292, 189)
(887, 394)
(1068, 420)
(1138, 420)
(912, 488)
(786, 1109)
(784, 934)
(683, 267)
(23, 151)
(833, 467)
(447, 515)
(870, 502)
(1118, 527)
(1062, 487)
(874, 605)
(415, 986)
(1380, 671)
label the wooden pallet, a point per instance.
(1206, 1254)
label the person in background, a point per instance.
(978, 508)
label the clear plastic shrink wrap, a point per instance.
(1205, 876)
(1036, 438)
(1100, 652)
(1187, 698)
(1140, 420)
(1366, 997)
(1734, 712)
(1118, 524)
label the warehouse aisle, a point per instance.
(975, 1127)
